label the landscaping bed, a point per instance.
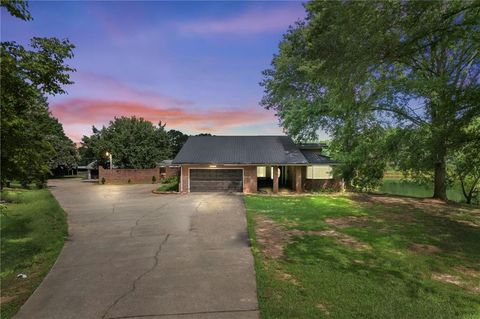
(364, 257)
(33, 231)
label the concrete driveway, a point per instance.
(133, 254)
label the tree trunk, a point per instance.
(440, 186)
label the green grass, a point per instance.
(389, 280)
(398, 186)
(33, 230)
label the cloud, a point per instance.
(83, 111)
(249, 22)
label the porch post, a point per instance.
(298, 179)
(275, 179)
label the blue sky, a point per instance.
(194, 65)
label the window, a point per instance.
(319, 172)
(261, 171)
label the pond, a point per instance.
(398, 186)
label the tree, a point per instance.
(17, 8)
(176, 140)
(27, 76)
(133, 142)
(466, 163)
(408, 65)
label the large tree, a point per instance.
(176, 140)
(133, 143)
(28, 75)
(408, 65)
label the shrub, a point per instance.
(103, 180)
(171, 180)
(129, 181)
(154, 179)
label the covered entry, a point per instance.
(216, 180)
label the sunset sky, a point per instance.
(193, 65)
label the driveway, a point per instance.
(133, 254)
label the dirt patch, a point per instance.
(424, 248)
(457, 281)
(347, 221)
(5, 299)
(468, 271)
(449, 279)
(273, 238)
(323, 308)
(282, 275)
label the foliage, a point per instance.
(17, 8)
(410, 65)
(133, 143)
(466, 163)
(170, 180)
(176, 140)
(323, 277)
(154, 179)
(33, 232)
(32, 142)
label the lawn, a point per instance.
(33, 230)
(348, 256)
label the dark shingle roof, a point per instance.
(316, 158)
(240, 150)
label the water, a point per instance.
(398, 186)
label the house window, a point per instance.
(261, 171)
(319, 172)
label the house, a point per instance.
(252, 163)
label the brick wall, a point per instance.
(323, 184)
(169, 171)
(249, 177)
(122, 175)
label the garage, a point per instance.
(216, 180)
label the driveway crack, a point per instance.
(143, 216)
(134, 284)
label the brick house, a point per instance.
(252, 163)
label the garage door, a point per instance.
(216, 180)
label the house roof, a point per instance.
(316, 158)
(240, 150)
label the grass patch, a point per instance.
(390, 279)
(33, 231)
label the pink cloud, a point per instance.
(249, 22)
(80, 112)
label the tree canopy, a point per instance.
(132, 141)
(32, 141)
(409, 68)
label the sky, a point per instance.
(195, 66)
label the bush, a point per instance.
(154, 179)
(103, 180)
(173, 187)
(170, 180)
(129, 181)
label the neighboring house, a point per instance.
(252, 163)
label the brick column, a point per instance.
(298, 179)
(275, 179)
